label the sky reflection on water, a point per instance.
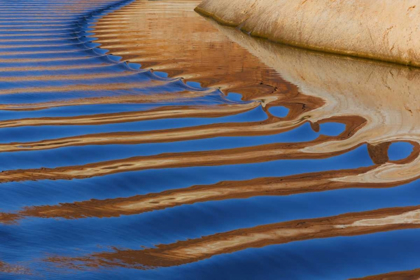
(224, 156)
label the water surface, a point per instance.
(140, 140)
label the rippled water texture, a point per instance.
(139, 140)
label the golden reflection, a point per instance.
(382, 94)
(161, 97)
(399, 275)
(169, 36)
(193, 250)
(14, 269)
(253, 154)
(376, 101)
(81, 87)
(302, 183)
(152, 114)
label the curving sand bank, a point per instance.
(377, 29)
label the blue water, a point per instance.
(64, 83)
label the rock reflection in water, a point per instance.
(184, 252)
(375, 100)
(345, 104)
(169, 36)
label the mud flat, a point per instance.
(379, 29)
